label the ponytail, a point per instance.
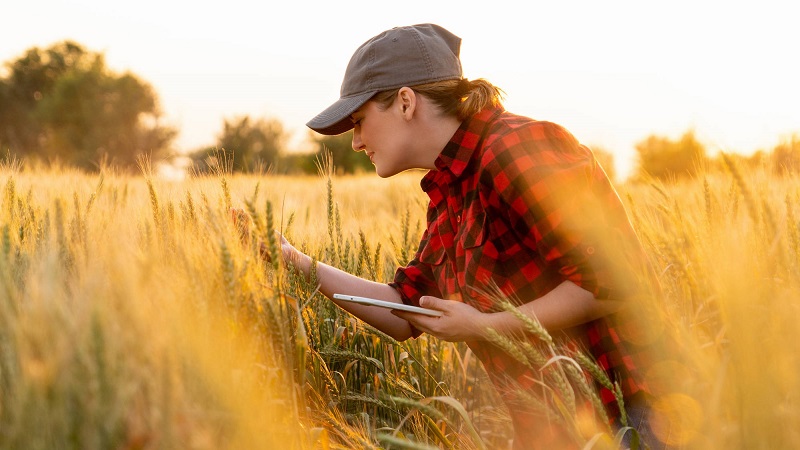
(478, 95)
(462, 98)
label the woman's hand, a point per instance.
(293, 256)
(290, 255)
(243, 223)
(460, 322)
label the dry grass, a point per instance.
(131, 316)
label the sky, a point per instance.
(611, 72)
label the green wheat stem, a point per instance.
(272, 240)
(154, 204)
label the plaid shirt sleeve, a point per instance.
(559, 203)
(416, 278)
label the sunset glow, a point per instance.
(612, 73)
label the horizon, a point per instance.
(612, 74)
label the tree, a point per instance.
(31, 78)
(786, 156)
(63, 103)
(666, 159)
(345, 160)
(250, 145)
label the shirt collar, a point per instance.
(457, 154)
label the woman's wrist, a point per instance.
(482, 325)
(299, 261)
(496, 321)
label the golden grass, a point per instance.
(132, 317)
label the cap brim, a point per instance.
(336, 118)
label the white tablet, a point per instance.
(385, 304)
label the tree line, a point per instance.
(63, 105)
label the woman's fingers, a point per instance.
(242, 222)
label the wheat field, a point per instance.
(132, 317)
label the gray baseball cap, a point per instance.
(402, 56)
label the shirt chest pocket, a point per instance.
(474, 231)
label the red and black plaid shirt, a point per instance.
(520, 204)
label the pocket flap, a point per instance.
(476, 231)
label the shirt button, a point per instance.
(590, 250)
(458, 218)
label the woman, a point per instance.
(515, 204)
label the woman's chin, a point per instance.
(386, 172)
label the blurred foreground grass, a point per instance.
(131, 316)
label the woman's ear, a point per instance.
(407, 102)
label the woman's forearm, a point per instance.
(335, 281)
(566, 306)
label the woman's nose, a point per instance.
(357, 144)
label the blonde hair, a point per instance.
(461, 98)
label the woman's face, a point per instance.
(383, 136)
